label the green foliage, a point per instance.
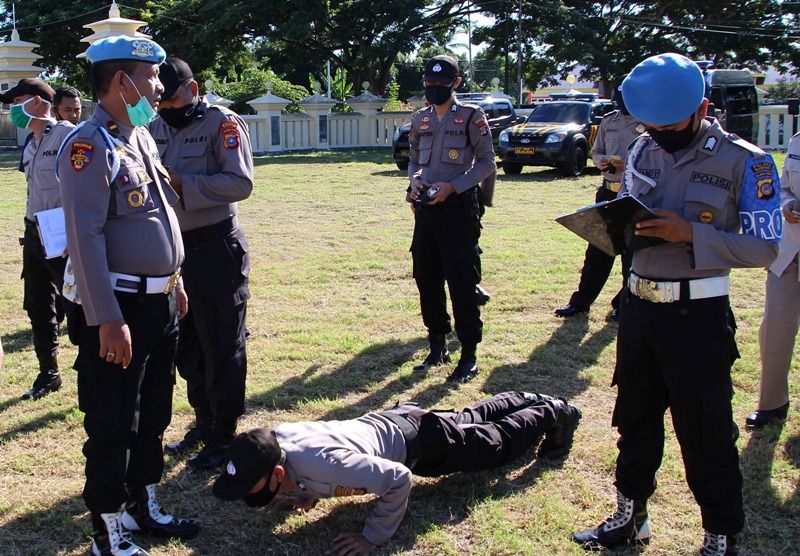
(783, 90)
(392, 101)
(341, 90)
(253, 84)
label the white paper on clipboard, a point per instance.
(52, 231)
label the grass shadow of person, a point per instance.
(772, 507)
(360, 374)
(64, 525)
(34, 424)
(554, 366)
(17, 341)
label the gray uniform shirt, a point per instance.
(456, 150)
(617, 131)
(39, 165)
(355, 457)
(790, 191)
(214, 159)
(721, 184)
(117, 209)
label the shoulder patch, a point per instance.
(710, 143)
(230, 134)
(80, 156)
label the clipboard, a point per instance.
(609, 225)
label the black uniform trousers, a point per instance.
(212, 356)
(597, 267)
(43, 280)
(127, 410)
(445, 248)
(486, 435)
(678, 356)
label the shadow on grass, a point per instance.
(19, 340)
(773, 518)
(553, 367)
(32, 425)
(368, 368)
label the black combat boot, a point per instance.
(558, 440)
(718, 545)
(200, 432)
(212, 456)
(438, 354)
(49, 379)
(467, 367)
(627, 525)
(110, 538)
(142, 513)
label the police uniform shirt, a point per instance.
(456, 149)
(615, 135)
(39, 165)
(214, 159)
(721, 184)
(790, 191)
(117, 209)
(346, 458)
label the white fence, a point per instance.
(775, 127)
(353, 130)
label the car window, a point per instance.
(503, 109)
(489, 109)
(571, 112)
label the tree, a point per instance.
(253, 84)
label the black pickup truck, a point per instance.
(498, 111)
(557, 133)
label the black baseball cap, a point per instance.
(441, 68)
(173, 73)
(251, 456)
(28, 86)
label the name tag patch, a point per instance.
(710, 179)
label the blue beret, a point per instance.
(663, 89)
(136, 49)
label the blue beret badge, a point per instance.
(142, 49)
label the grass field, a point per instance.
(335, 331)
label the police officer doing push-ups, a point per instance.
(715, 197)
(126, 251)
(378, 452)
(451, 153)
(206, 149)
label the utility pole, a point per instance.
(519, 54)
(469, 48)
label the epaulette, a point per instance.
(612, 114)
(746, 145)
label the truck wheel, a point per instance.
(575, 165)
(402, 165)
(512, 167)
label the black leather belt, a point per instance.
(212, 231)
(410, 434)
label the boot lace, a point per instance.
(714, 545)
(621, 516)
(155, 511)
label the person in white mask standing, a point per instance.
(30, 102)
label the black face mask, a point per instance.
(180, 117)
(438, 94)
(674, 140)
(262, 497)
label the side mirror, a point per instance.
(794, 106)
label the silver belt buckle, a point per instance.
(173, 281)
